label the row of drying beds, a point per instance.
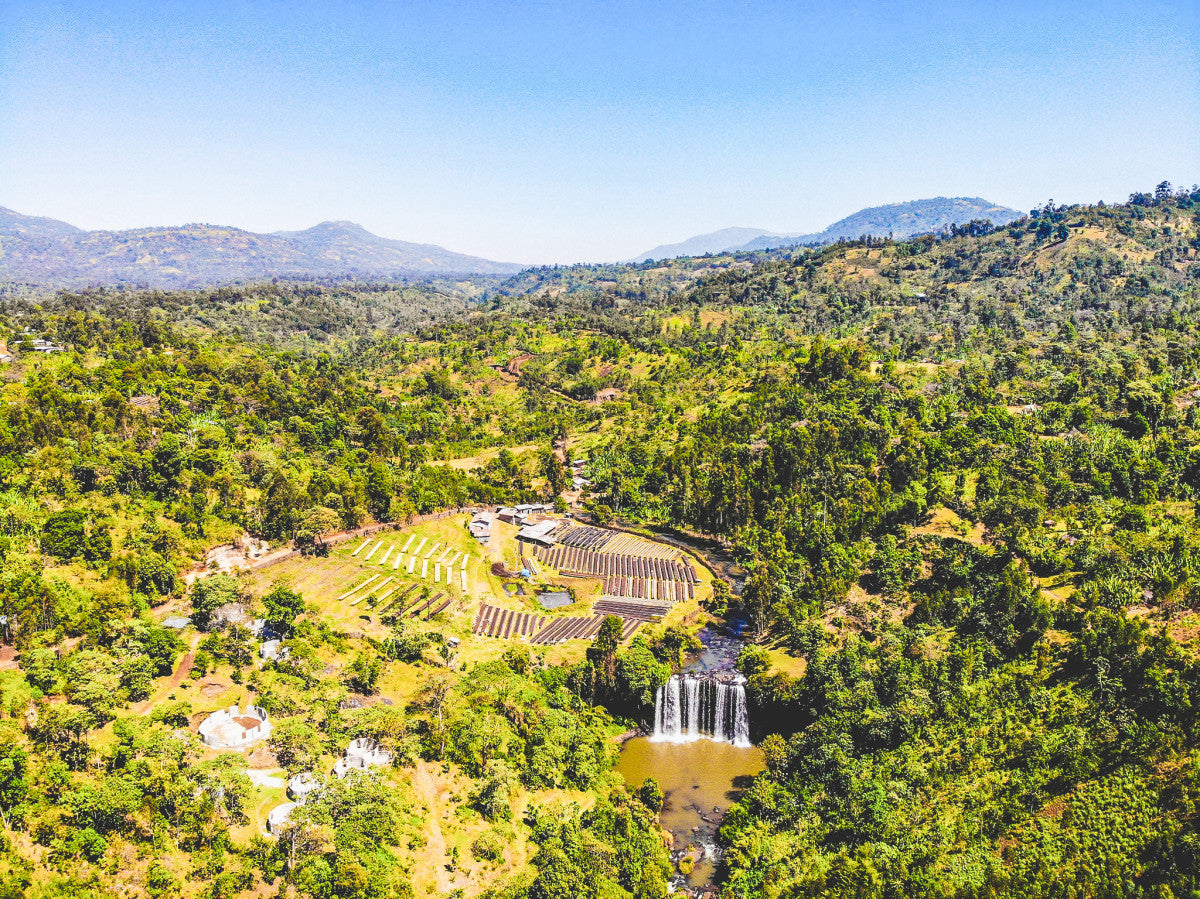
(446, 562)
(493, 621)
(586, 537)
(592, 562)
(397, 603)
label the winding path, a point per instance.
(435, 845)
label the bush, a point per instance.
(173, 714)
(488, 847)
(651, 795)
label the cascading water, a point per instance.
(690, 708)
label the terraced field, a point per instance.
(436, 572)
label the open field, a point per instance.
(419, 573)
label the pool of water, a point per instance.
(554, 599)
(700, 778)
(700, 781)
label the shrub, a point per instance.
(488, 847)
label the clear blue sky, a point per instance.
(560, 131)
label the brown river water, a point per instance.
(700, 780)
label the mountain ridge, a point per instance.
(899, 220)
(712, 242)
(51, 253)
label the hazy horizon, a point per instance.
(581, 132)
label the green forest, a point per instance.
(946, 486)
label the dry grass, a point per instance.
(945, 522)
(483, 457)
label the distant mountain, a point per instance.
(33, 227)
(52, 253)
(900, 220)
(345, 243)
(716, 242)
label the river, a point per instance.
(700, 777)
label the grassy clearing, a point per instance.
(945, 522)
(483, 457)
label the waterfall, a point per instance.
(690, 708)
(693, 705)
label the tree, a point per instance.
(639, 674)
(363, 674)
(379, 489)
(314, 523)
(63, 729)
(283, 606)
(209, 594)
(651, 795)
(434, 699)
(137, 677)
(41, 669)
(161, 645)
(94, 680)
(553, 472)
(160, 882)
(64, 534)
(602, 654)
(493, 797)
(149, 573)
(761, 594)
(97, 544)
(373, 432)
(296, 744)
(14, 763)
(281, 505)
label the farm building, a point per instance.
(361, 754)
(278, 817)
(541, 533)
(274, 651)
(481, 527)
(44, 346)
(302, 785)
(228, 615)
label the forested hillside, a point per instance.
(952, 480)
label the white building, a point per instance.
(362, 754)
(302, 785)
(278, 817)
(232, 728)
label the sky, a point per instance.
(570, 131)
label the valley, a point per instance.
(855, 570)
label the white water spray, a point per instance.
(690, 708)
